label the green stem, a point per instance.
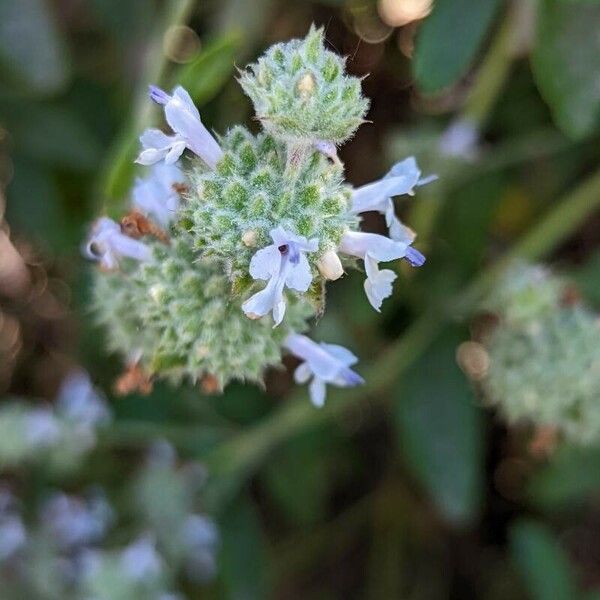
(240, 456)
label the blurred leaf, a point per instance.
(297, 476)
(203, 78)
(565, 57)
(52, 134)
(543, 564)
(448, 41)
(32, 54)
(570, 478)
(587, 279)
(210, 70)
(440, 430)
(35, 207)
(242, 556)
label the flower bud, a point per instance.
(249, 238)
(306, 85)
(330, 265)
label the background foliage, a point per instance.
(406, 488)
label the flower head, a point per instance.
(283, 264)
(157, 194)
(189, 132)
(325, 363)
(107, 244)
(373, 249)
(401, 179)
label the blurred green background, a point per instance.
(406, 488)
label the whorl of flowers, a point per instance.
(225, 256)
(544, 356)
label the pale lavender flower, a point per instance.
(75, 522)
(140, 560)
(41, 428)
(156, 194)
(200, 540)
(13, 535)
(80, 402)
(460, 140)
(282, 264)
(401, 179)
(189, 132)
(106, 244)
(327, 149)
(373, 249)
(325, 363)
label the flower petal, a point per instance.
(358, 243)
(302, 373)
(378, 284)
(317, 390)
(299, 276)
(342, 354)
(265, 263)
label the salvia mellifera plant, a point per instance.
(224, 257)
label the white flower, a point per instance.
(373, 249)
(283, 263)
(79, 402)
(140, 559)
(156, 194)
(325, 363)
(460, 140)
(401, 179)
(189, 132)
(107, 244)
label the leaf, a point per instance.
(571, 477)
(32, 53)
(440, 430)
(209, 72)
(242, 554)
(565, 62)
(203, 78)
(541, 561)
(448, 41)
(297, 475)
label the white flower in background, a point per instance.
(373, 249)
(80, 402)
(189, 132)
(282, 264)
(401, 179)
(200, 538)
(140, 560)
(156, 195)
(75, 522)
(325, 363)
(460, 140)
(107, 244)
(13, 534)
(42, 429)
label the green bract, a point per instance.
(175, 315)
(230, 211)
(544, 357)
(301, 92)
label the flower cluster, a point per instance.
(57, 435)
(67, 549)
(225, 255)
(543, 356)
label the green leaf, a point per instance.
(210, 71)
(32, 53)
(570, 478)
(297, 476)
(242, 554)
(448, 41)
(566, 60)
(203, 78)
(440, 430)
(541, 561)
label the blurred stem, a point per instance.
(480, 102)
(240, 456)
(116, 178)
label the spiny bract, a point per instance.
(300, 92)
(169, 314)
